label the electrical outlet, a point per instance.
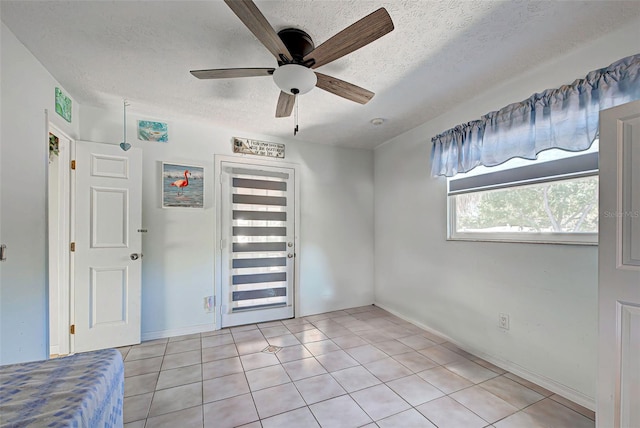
(208, 304)
(503, 321)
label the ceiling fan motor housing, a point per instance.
(297, 42)
(295, 77)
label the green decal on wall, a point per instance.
(63, 105)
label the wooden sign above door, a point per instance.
(256, 147)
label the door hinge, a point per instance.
(73, 246)
(73, 164)
(72, 329)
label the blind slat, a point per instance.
(259, 231)
(260, 215)
(259, 294)
(255, 247)
(262, 262)
(248, 183)
(260, 200)
(258, 278)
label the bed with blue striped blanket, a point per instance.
(82, 390)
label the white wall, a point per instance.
(178, 266)
(27, 90)
(458, 288)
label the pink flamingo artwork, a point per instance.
(181, 184)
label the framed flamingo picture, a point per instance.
(182, 186)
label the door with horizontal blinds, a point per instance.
(257, 243)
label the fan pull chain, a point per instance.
(295, 129)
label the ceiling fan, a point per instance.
(297, 55)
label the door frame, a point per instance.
(63, 274)
(217, 274)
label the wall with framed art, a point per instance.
(180, 220)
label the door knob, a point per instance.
(135, 256)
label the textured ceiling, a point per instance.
(440, 53)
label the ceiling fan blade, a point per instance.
(227, 73)
(355, 36)
(285, 104)
(343, 89)
(255, 21)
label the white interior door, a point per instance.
(618, 403)
(107, 257)
(257, 243)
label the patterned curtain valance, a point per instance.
(564, 118)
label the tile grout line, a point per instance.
(246, 378)
(308, 406)
(154, 390)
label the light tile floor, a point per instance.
(351, 368)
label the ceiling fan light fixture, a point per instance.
(295, 79)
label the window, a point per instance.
(552, 199)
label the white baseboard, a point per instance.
(162, 334)
(545, 382)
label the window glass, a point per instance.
(558, 209)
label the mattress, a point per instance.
(82, 390)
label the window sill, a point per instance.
(554, 239)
